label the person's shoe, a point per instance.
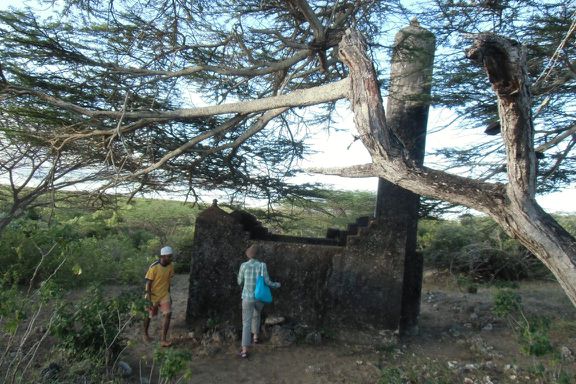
(243, 355)
(165, 343)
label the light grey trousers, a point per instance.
(251, 311)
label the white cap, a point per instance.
(166, 251)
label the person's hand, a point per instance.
(278, 285)
(147, 297)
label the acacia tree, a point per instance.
(33, 174)
(120, 79)
(512, 205)
(117, 79)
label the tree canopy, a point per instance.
(152, 88)
(547, 30)
(125, 80)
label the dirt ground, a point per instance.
(460, 341)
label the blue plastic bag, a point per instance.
(262, 291)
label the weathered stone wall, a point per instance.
(354, 286)
(366, 281)
(304, 271)
(219, 241)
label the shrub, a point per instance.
(111, 259)
(20, 313)
(173, 362)
(534, 336)
(391, 375)
(93, 327)
(11, 311)
(506, 303)
(533, 331)
(31, 251)
(478, 248)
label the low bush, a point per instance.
(173, 364)
(31, 251)
(476, 247)
(532, 331)
(93, 327)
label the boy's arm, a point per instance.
(148, 295)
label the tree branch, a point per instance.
(298, 98)
(310, 16)
(222, 70)
(504, 61)
(389, 161)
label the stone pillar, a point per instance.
(407, 117)
(218, 251)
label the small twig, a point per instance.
(37, 345)
(43, 256)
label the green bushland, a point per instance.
(93, 327)
(174, 364)
(115, 244)
(476, 248)
(45, 253)
(105, 245)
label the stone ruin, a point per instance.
(348, 280)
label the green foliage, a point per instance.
(12, 312)
(95, 247)
(22, 316)
(556, 375)
(173, 363)
(391, 375)
(93, 327)
(506, 303)
(312, 217)
(111, 259)
(565, 378)
(532, 331)
(22, 247)
(475, 247)
(534, 337)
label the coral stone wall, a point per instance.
(357, 286)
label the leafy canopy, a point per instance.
(127, 84)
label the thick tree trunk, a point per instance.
(512, 205)
(544, 237)
(520, 215)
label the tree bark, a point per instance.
(513, 205)
(299, 98)
(505, 64)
